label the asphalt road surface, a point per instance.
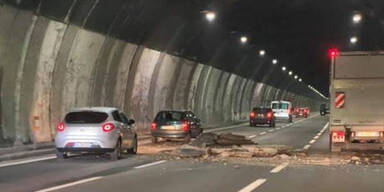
(147, 173)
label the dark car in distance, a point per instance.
(262, 116)
(175, 125)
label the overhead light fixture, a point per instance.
(296, 76)
(353, 40)
(283, 68)
(274, 61)
(210, 16)
(243, 39)
(262, 52)
(357, 17)
(290, 72)
(300, 80)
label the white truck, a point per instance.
(356, 101)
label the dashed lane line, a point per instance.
(306, 147)
(314, 139)
(279, 167)
(150, 164)
(263, 133)
(69, 184)
(253, 185)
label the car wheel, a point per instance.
(61, 155)
(155, 139)
(133, 150)
(116, 154)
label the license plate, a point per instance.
(169, 127)
(261, 115)
(367, 134)
(83, 145)
(338, 139)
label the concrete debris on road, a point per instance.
(224, 139)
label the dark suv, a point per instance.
(175, 125)
(261, 115)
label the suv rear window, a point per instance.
(85, 117)
(279, 105)
(169, 116)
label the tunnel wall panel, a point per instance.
(48, 67)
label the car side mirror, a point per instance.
(131, 121)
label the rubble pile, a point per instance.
(228, 145)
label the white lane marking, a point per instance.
(69, 184)
(25, 161)
(279, 167)
(312, 141)
(253, 185)
(270, 130)
(150, 164)
(252, 136)
(307, 147)
(278, 128)
(316, 137)
(225, 128)
(263, 133)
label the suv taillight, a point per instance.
(185, 126)
(107, 127)
(153, 126)
(252, 114)
(60, 127)
(269, 115)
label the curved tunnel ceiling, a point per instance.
(298, 33)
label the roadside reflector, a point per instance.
(339, 100)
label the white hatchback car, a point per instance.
(282, 110)
(95, 130)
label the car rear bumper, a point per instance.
(259, 121)
(100, 142)
(87, 150)
(169, 134)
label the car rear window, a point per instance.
(85, 117)
(169, 116)
(262, 110)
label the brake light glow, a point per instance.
(107, 127)
(333, 52)
(269, 115)
(60, 127)
(153, 126)
(185, 126)
(252, 114)
(338, 136)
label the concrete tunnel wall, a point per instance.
(48, 67)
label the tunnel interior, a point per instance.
(141, 56)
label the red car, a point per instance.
(301, 112)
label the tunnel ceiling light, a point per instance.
(274, 61)
(357, 17)
(243, 39)
(353, 40)
(290, 72)
(300, 80)
(262, 52)
(283, 68)
(210, 16)
(296, 76)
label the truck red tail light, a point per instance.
(108, 127)
(338, 136)
(185, 126)
(153, 126)
(60, 127)
(252, 114)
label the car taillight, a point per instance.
(185, 126)
(60, 127)
(252, 114)
(269, 115)
(153, 126)
(107, 127)
(337, 133)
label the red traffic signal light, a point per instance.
(333, 52)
